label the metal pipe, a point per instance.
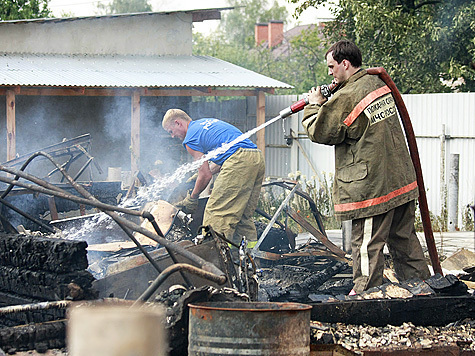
(443, 186)
(52, 190)
(157, 229)
(22, 168)
(175, 268)
(35, 306)
(140, 247)
(108, 209)
(83, 168)
(414, 152)
(28, 216)
(255, 250)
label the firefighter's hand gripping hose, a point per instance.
(326, 90)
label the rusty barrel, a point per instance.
(249, 328)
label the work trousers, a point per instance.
(396, 229)
(235, 194)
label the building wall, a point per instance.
(142, 34)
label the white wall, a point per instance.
(141, 34)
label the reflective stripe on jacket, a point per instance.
(373, 170)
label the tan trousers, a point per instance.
(235, 194)
(396, 229)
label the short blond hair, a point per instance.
(172, 114)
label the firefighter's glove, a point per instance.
(188, 205)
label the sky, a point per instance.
(88, 8)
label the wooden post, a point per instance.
(52, 208)
(260, 119)
(135, 133)
(11, 133)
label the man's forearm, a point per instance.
(201, 183)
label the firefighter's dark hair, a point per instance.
(345, 49)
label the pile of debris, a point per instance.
(407, 337)
(36, 269)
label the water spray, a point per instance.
(153, 191)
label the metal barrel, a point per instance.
(249, 328)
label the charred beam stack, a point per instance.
(35, 269)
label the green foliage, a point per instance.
(124, 7)
(303, 66)
(468, 219)
(23, 9)
(417, 42)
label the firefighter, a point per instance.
(241, 170)
(375, 183)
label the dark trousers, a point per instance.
(396, 229)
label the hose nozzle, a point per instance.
(292, 109)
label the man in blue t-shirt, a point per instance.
(241, 168)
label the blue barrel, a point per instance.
(249, 328)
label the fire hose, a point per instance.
(414, 152)
(327, 91)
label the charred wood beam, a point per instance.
(423, 310)
(322, 238)
(40, 337)
(42, 284)
(40, 253)
(53, 190)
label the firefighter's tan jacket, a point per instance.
(373, 170)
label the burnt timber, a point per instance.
(422, 311)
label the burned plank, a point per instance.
(423, 310)
(42, 253)
(40, 337)
(42, 284)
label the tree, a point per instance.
(419, 43)
(23, 9)
(308, 66)
(124, 6)
(302, 66)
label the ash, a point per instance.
(299, 279)
(407, 337)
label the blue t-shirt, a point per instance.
(205, 135)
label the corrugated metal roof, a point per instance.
(198, 10)
(127, 72)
